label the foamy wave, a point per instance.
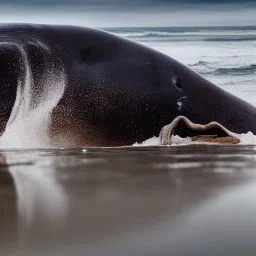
(243, 70)
(187, 31)
(199, 63)
(187, 34)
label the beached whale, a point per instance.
(114, 91)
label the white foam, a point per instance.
(28, 126)
(154, 141)
(245, 139)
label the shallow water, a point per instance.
(179, 200)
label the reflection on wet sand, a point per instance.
(195, 200)
(41, 202)
(8, 211)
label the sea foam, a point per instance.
(29, 122)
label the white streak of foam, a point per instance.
(246, 138)
(29, 123)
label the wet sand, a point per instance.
(183, 200)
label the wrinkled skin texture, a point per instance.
(117, 92)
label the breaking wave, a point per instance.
(192, 37)
(200, 63)
(227, 34)
(243, 70)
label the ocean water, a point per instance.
(224, 55)
(152, 201)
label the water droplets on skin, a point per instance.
(28, 125)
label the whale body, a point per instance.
(117, 92)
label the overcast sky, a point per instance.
(112, 13)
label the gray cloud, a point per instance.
(110, 13)
(122, 2)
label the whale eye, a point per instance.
(177, 82)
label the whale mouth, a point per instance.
(212, 132)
